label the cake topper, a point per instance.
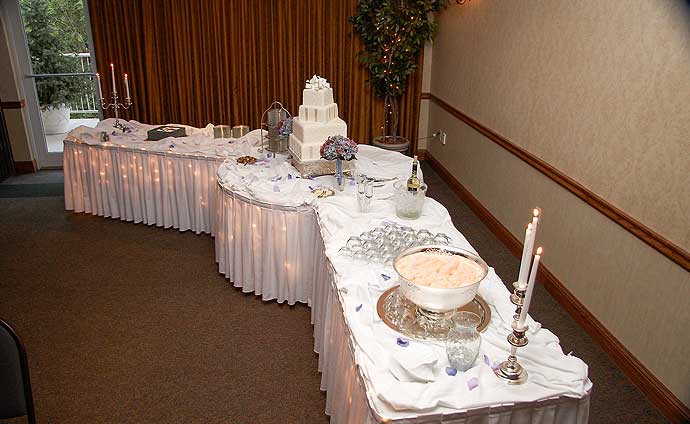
(317, 83)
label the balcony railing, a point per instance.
(86, 101)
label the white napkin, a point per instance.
(414, 365)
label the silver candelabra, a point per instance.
(115, 105)
(510, 370)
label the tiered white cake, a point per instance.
(317, 120)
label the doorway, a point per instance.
(56, 64)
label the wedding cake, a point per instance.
(317, 120)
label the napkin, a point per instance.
(414, 365)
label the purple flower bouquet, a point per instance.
(338, 147)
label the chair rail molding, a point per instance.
(637, 372)
(658, 242)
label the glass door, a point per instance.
(54, 48)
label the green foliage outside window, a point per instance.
(55, 32)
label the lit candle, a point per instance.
(528, 248)
(112, 73)
(100, 89)
(530, 289)
(127, 86)
(522, 283)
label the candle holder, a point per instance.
(510, 370)
(115, 105)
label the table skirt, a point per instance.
(268, 250)
(154, 188)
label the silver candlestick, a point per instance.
(116, 106)
(510, 370)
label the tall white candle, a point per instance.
(524, 266)
(112, 73)
(524, 262)
(100, 89)
(127, 86)
(530, 289)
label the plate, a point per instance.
(402, 316)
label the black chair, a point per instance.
(16, 399)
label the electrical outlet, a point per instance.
(440, 135)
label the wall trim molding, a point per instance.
(648, 384)
(655, 240)
(25, 166)
(13, 105)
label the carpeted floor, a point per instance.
(126, 323)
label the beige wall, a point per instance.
(424, 103)
(601, 91)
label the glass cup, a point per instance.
(463, 340)
(441, 238)
(424, 234)
(354, 242)
(374, 255)
(410, 239)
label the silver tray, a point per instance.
(418, 326)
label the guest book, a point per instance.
(160, 133)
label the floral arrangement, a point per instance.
(338, 147)
(284, 127)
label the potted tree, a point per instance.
(393, 32)
(50, 47)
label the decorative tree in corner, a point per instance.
(393, 32)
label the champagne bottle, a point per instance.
(413, 183)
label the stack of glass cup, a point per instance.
(384, 243)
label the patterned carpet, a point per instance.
(126, 323)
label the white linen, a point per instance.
(271, 252)
(274, 238)
(167, 183)
(405, 382)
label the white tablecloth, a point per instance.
(167, 183)
(274, 238)
(287, 250)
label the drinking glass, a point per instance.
(354, 242)
(463, 341)
(442, 238)
(424, 234)
(361, 197)
(387, 257)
